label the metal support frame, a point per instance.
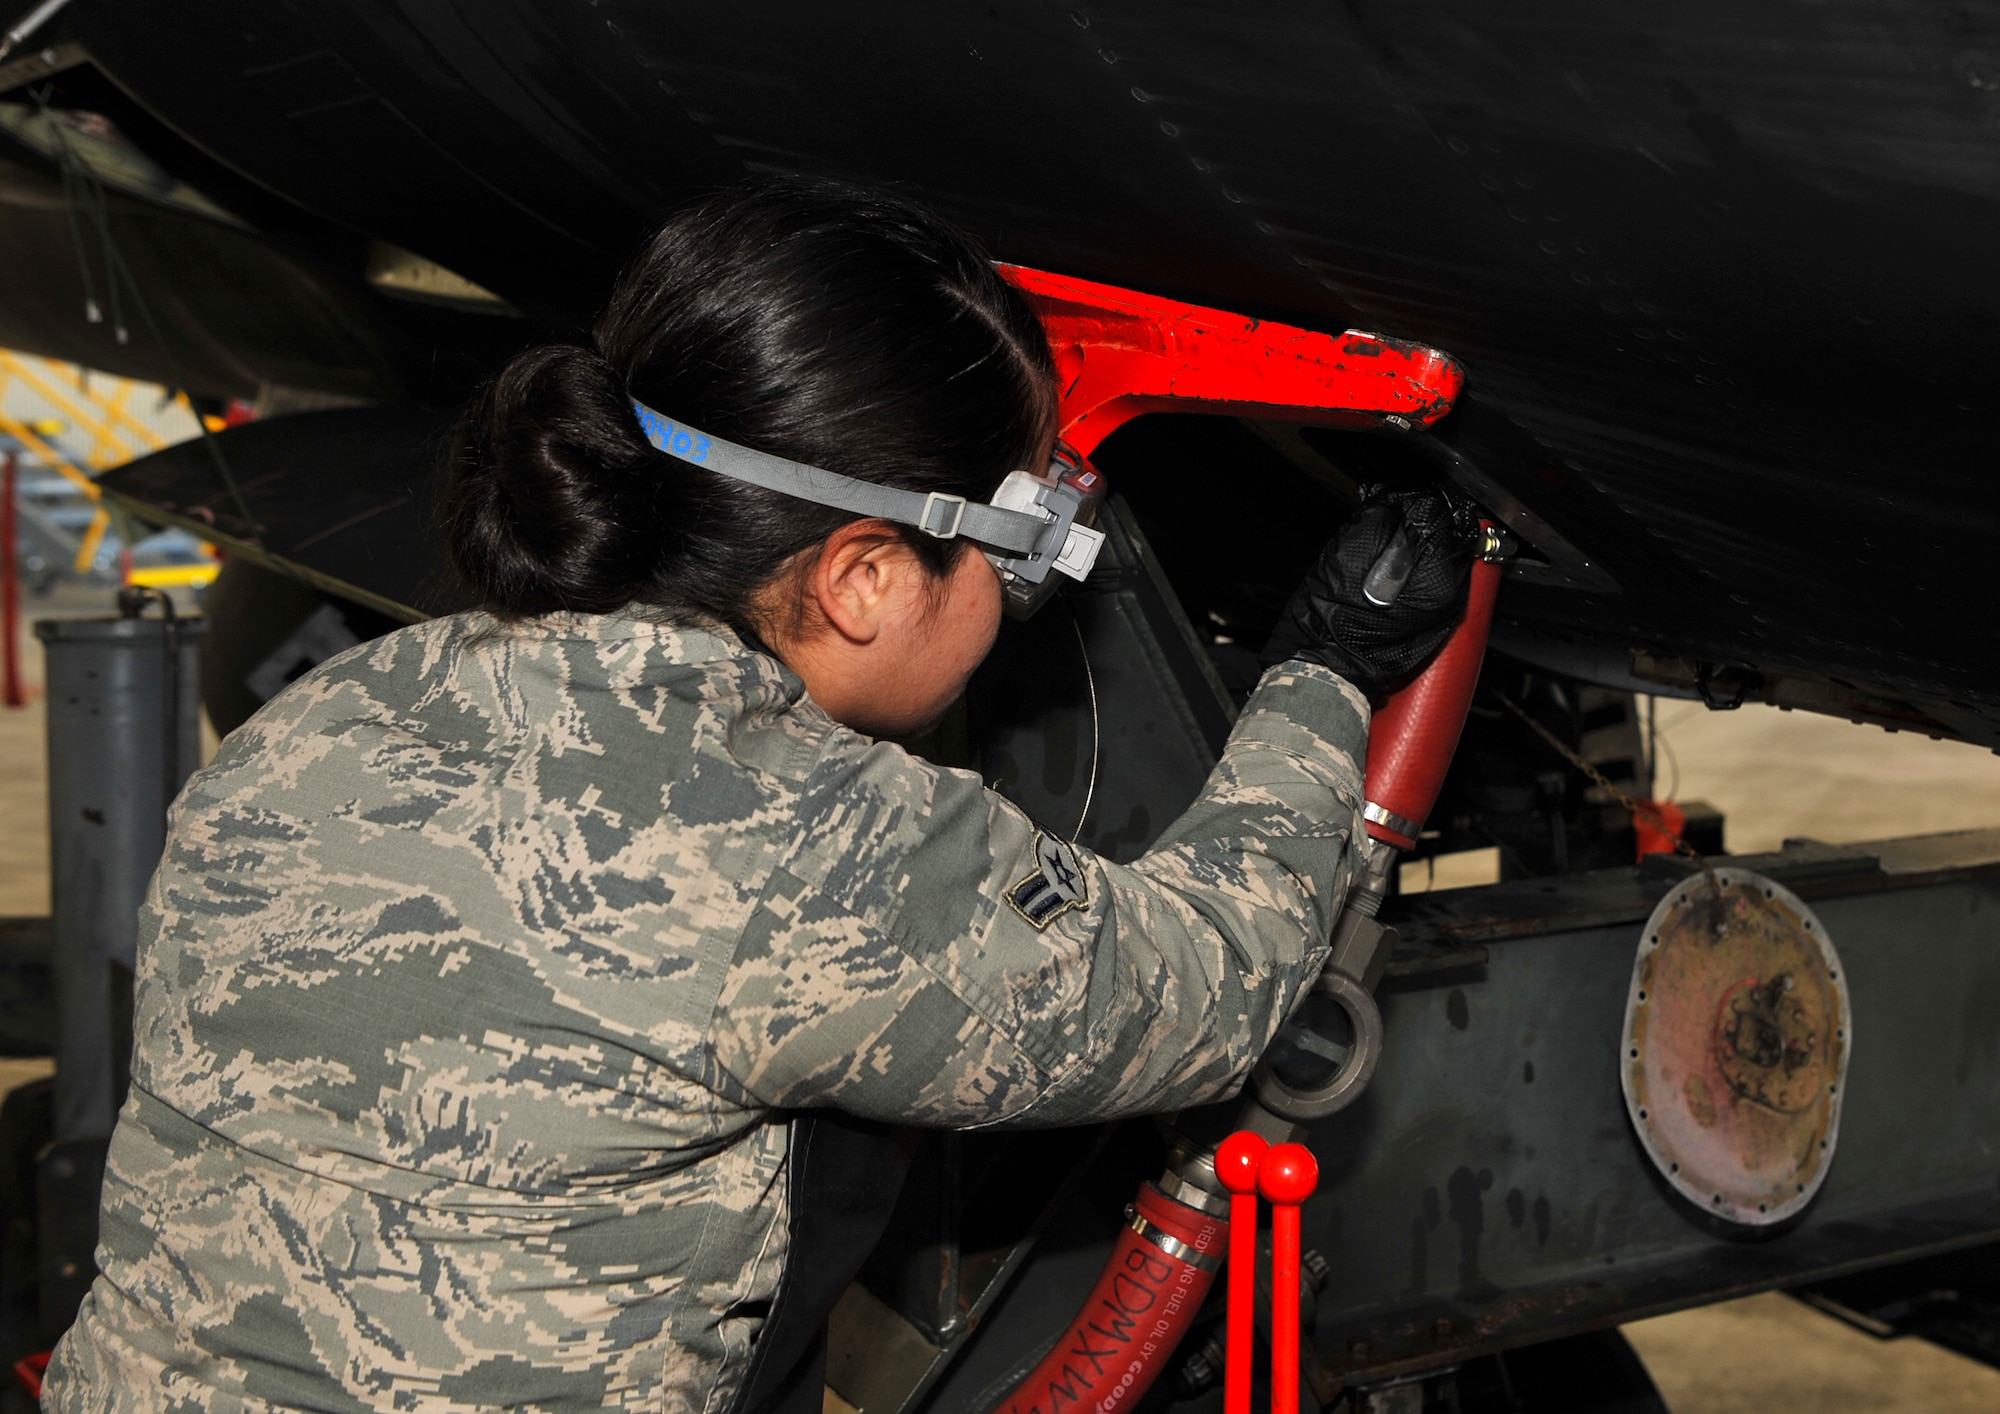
(1487, 1191)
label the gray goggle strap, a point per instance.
(946, 517)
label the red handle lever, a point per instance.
(1411, 741)
(1236, 1163)
(11, 691)
(1288, 1175)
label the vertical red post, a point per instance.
(1288, 1175)
(11, 690)
(1236, 1163)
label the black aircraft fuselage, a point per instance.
(1722, 275)
(1723, 281)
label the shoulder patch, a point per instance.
(1054, 888)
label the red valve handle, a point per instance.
(1288, 1175)
(1236, 1164)
(12, 693)
(1412, 740)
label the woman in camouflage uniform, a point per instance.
(486, 962)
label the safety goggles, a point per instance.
(1034, 528)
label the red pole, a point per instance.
(10, 583)
(1236, 1164)
(1288, 1176)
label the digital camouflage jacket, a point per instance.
(479, 961)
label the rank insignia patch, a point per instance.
(1054, 888)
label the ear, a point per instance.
(863, 575)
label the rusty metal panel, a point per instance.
(1737, 1033)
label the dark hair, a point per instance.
(830, 324)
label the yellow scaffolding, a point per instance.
(100, 521)
(116, 434)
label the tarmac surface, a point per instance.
(1774, 775)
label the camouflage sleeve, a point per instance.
(925, 954)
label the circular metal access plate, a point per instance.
(1737, 1032)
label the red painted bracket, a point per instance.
(1120, 354)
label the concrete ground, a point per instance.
(1770, 1354)
(1780, 775)
(1774, 775)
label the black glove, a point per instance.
(1333, 620)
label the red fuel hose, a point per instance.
(1412, 739)
(1159, 1273)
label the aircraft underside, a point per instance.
(1720, 279)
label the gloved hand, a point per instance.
(1333, 621)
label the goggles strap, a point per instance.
(1020, 533)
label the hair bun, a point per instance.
(542, 472)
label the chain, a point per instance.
(1641, 811)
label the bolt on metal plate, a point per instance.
(1737, 1034)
